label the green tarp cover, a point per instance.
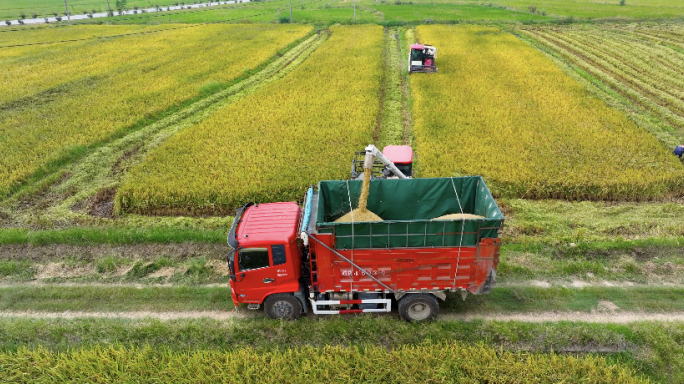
(407, 208)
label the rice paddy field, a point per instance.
(636, 63)
(126, 142)
(59, 98)
(501, 109)
(282, 138)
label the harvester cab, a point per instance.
(395, 161)
(422, 58)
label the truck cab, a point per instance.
(265, 258)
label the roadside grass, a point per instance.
(559, 223)
(504, 299)
(579, 10)
(652, 348)
(84, 236)
(98, 298)
(643, 265)
(444, 13)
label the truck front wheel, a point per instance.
(418, 307)
(283, 306)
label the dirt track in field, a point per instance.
(608, 317)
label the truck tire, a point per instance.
(418, 307)
(283, 306)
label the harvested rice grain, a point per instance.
(359, 216)
(458, 216)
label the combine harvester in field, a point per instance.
(436, 235)
(422, 58)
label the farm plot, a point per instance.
(275, 142)
(499, 108)
(641, 64)
(58, 99)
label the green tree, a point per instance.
(121, 5)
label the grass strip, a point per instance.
(655, 349)
(509, 299)
(455, 362)
(114, 298)
(84, 236)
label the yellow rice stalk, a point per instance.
(499, 108)
(58, 98)
(274, 143)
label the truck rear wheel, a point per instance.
(419, 307)
(283, 306)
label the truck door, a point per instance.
(259, 274)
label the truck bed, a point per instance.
(407, 250)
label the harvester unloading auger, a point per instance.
(361, 213)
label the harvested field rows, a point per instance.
(640, 63)
(272, 144)
(501, 109)
(58, 99)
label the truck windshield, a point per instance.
(252, 258)
(416, 55)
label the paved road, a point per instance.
(104, 14)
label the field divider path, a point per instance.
(107, 165)
(566, 302)
(395, 124)
(523, 317)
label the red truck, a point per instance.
(292, 260)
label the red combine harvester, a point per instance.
(292, 260)
(400, 156)
(422, 58)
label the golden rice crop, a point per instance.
(427, 363)
(58, 97)
(272, 144)
(641, 63)
(501, 109)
